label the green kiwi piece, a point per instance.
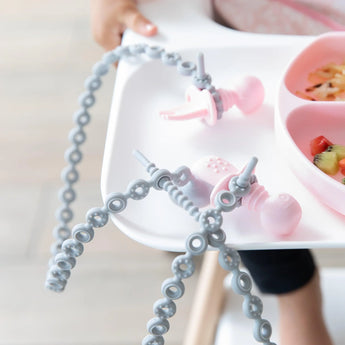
(338, 149)
(327, 162)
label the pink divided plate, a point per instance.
(298, 120)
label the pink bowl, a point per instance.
(298, 121)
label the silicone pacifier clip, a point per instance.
(248, 95)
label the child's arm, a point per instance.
(109, 19)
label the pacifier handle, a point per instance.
(248, 95)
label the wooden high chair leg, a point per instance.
(208, 302)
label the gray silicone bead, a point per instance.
(186, 68)
(116, 202)
(153, 340)
(236, 189)
(58, 273)
(158, 326)
(83, 233)
(262, 330)
(241, 283)
(173, 288)
(72, 247)
(252, 306)
(121, 51)
(92, 83)
(73, 155)
(64, 214)
(55, 284)
(217, 238)
(226, 201)
(136, 49)
(183, 266)
(97, 217)
(228, 258)
(202, 83)
(164, 308)
(64, 261)
(70, 174)
(138, 189)
(77, 136)
(170, 59)
(100, 68)
(182, 176)
(55, 248)
(61, 232)
(154, 52)
(197, 243)
(87, 99)
(110, 57)
(81, 117)
(67, 194)
(159, 177)
(211, 220)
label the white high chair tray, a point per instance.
(143, 89)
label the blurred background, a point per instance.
(46, 52)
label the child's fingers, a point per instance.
(109, 39)
(108, 36)
(112, 38)
(110, 18)
(134, 20)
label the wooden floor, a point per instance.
(46, 52)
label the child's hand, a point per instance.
(109, 19)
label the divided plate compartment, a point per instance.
(298, 120)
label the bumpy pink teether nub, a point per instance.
(213, 169)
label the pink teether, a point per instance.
(279, 214)
(248, 97)
(203, 101)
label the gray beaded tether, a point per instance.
(67, 249)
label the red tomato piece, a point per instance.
(319, 144)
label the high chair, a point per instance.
(217, 317)
(146, 88)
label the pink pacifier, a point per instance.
(279, 215)
(248, 95)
